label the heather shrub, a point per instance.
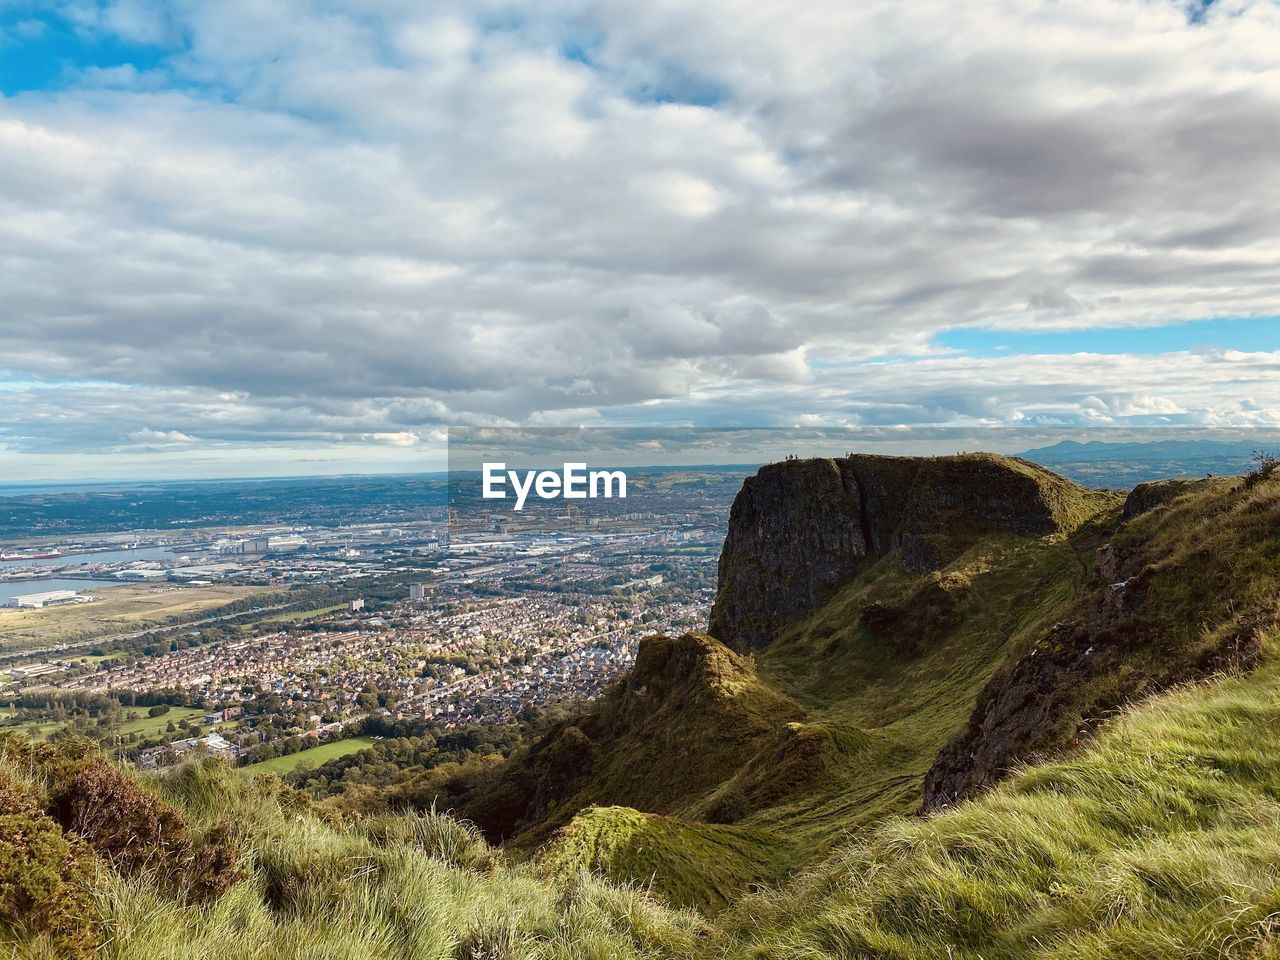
(137, 832)
(44, 876)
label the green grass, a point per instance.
(293, 616)
(313, 755)
(687, 864)
(144, 726)
(1161, 840)
(154, 726)
(44, 728)
(314, 888)
(103, 657)
(904, 695)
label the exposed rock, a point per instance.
(800, 529)
(1020, 712)
(796, 532)
(1147, 496)
(1158, 610)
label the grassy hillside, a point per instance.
(690, 711)
(209, 863)
(1157, 840)
(684, 863)
(1017, 648)
(1162, 839)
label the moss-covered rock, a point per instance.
(1186, 587)
(801, 529)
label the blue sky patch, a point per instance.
(45, 52)
(1249, 335)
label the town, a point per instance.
(451, 618)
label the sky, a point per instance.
(245, 238)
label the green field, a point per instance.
(43, 727)
(144, 726)
(118, 610)
(315, 755)
(151, 726)
(295, 616)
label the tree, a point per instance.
(1267, 463)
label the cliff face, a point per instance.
(1185, 588)
(800, 529)
(797, 531)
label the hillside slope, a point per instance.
(1128, 651)
(1158, 839)
(1185, 586)
(892, 632)
(207, 864)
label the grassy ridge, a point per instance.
(904, 689)
(1162, 840)
(687, 864)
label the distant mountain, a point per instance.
(1072, 451)
(1100, 463)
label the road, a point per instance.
(44, 652)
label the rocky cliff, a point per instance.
(1185, 586)
(800, 529)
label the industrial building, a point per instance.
(37, 600)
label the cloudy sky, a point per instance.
(302, 237)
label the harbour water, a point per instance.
(105, 556)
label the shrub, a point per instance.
(44, 877)
(1267, 462)
(137, 832)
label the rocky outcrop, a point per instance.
(1160, 608)
(801, 529)
(1077, 676)
(797, 531)
(686, 718)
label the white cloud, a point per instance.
(161, 436)
(331, 223)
